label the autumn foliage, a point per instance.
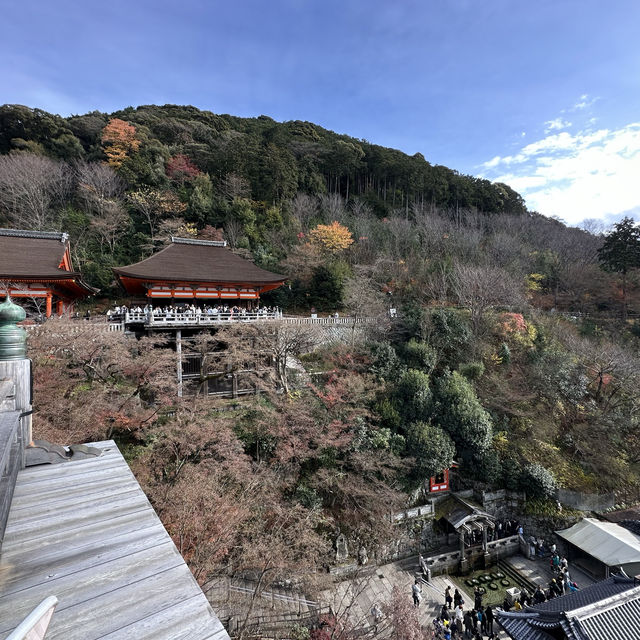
(119, 141)
(181, 169)
(331, 238)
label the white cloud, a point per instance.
(584, 102)
(557, 124)
(591, 174)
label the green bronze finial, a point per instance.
(13, 339)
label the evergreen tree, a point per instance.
(620, 253)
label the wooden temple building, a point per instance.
(189, 269)
(37, 265)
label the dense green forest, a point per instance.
(247, 175)
(514, 349)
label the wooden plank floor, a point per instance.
(85, 532)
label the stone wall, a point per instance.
(586, 501)
(502, 503)
(545, 527)
(449, 562)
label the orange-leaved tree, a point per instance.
(119, 140)
(331, 238)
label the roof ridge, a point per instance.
(40, 235)
(206, 243)
(610, 602)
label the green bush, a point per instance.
(449, 334)
(299, 632)
(413, 396)
(472, 370)
(504, 353)
(431, 447)
(459, 412)
(385, 363)
(420, 355)
(538, 482)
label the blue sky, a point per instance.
(544, 95)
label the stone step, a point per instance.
(516, 576)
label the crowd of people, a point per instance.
(455, 622)
(192, 310)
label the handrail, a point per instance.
(35, 625)
(175, 319)
(11, 452)
(170, 319)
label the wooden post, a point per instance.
(179, 363)
(48, 312)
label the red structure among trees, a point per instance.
(37, 265)
(189, 269)
(439, 482)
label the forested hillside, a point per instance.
(248, 176)
(512, 350)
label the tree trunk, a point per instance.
(624, 297)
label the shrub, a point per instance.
(299, 632)
(385, 363)
(413, 396)
(537, 481)
(504, 353)
(472, 370)
(458, 411)
(420, 355)
(431, 447)
(449, 333)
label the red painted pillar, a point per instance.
(48, 305)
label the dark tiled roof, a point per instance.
(518, 626)
(617, 623)
(197, 261)
(607, 610)
(32, 254)
(583, 597)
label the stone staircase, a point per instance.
(516, 577)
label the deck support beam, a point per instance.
(179, 360)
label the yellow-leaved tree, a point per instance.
(331, 238)
(119, 140)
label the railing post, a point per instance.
(14, 364)
(15, 367)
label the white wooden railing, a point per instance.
(181, 319)
(35, 625)
(190, 319)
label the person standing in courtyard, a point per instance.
(489, 616)
(416, 592)
(468, 624)
(447, 597)
(376, 614)
(459, 617)
(477, 598)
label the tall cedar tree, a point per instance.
(620, 253)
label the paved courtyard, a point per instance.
(353, 599)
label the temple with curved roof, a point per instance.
(192, 269)
(37, 265)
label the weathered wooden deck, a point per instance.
(85, 532)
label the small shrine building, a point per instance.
(190, 269)
(37, 264)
